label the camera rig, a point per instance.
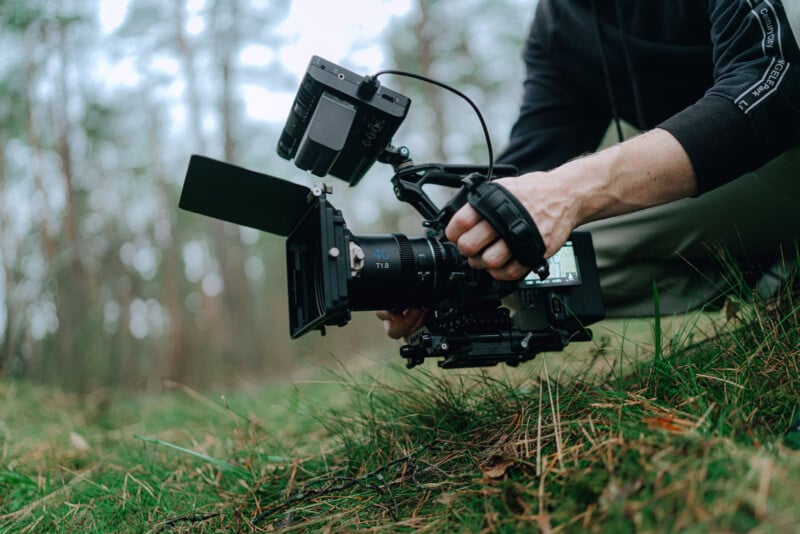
(341, 124)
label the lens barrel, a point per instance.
(401, 271)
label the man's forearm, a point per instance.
(650, 169)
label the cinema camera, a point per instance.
(340, 124)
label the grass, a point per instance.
(692, 439)
(108, 464)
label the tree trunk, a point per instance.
(177, 366)
(230, 252)
(433, 95)
(8, 345)
(73, 303)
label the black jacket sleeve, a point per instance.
(752, 112)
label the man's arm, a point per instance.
(750, 115)
(650, 169)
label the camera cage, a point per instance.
(329, 270)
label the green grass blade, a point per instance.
(222, 465)
(656, 324)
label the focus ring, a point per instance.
(406, 253)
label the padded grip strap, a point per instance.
(511, 220)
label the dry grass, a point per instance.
(689, 440)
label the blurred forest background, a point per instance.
(103, 281)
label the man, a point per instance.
(714, 86)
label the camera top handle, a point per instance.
(408, 183)
(409, 179)
(492, 201)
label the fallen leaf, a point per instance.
(669, 423)
(497, 466)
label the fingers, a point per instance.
(464, 219)
(498, 261)
(512, 270)
(493, 256)
(477, 238)
(472, 233)
(478, 241)
(385, 315)
(402, 324)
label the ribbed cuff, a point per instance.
(719, 140)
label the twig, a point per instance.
(394, 510)
(556, 419)
(729, 382)
(290, 486)
(339, 483)
(539, 433)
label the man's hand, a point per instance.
(650, 169)
(402, 324)
(551, 206)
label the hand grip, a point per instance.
(511, 220)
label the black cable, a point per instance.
(457, 92)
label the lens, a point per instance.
(401, 271)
